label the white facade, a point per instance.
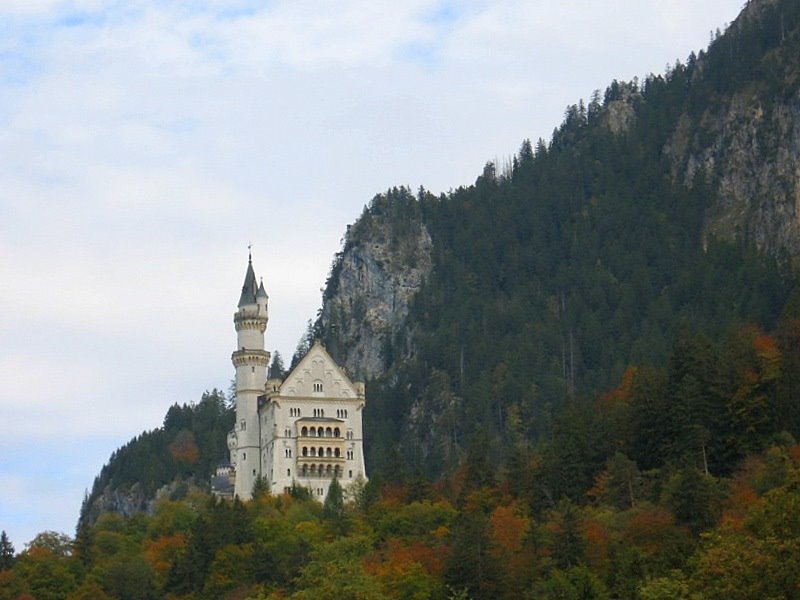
(303, 430)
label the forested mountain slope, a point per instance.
(598, 254)
(661, 207)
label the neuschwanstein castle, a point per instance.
(302, 430)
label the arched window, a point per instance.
(321, 452)
(337, 471)
(313, 432)
(328, 432)
(304, 431)
(328, 452)
(320, 432)
(336, 453)
(313, 451)
(304, 470)
(336, 432)
(305, 451)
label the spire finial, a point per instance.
(250, 252)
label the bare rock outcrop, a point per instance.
(384, 262)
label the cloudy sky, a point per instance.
(145, 143)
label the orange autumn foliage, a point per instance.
(651, 529)
(794, 454)
(620, 395)
(742, 497)
(766, 348)
(397, 558)
(163, 551)
(393, 495)
(508, 530)
(184, 448)
(598, 540)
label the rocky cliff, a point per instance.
(384, 262)
(130, 500)
(745, 140)
(752, 162)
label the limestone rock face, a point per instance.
(620, 114)
(385, 260)
(130, 500)
(746, 147)
(751, 160)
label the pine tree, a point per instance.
(6, 552)
(276, 369)
(333, 509)
(260, 487)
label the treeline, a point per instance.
(680, 483)
(192, 440)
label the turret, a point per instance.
(250, 360)
(262, 300)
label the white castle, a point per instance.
(303, 430)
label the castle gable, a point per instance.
(318, 375)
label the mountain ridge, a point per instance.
(657, 207)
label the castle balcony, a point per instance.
(317, 449)
(250, 357)
(320, 470)
(308, 460)
(244, 314)
(250, 319)
(319, 427)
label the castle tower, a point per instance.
(250, 360)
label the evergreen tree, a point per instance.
(333, 509)
(260, 487)
(304, 345)
(6, 552)
(276, 368)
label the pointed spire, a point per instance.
(249, 289)
(262, 293)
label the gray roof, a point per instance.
(262, 293)
(249, 289)
(221, 484)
